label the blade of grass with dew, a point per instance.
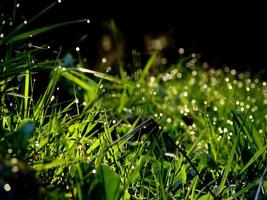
(254, 158)
(23, 25)
(38, 31)
(228, 166)
(230, 158)
(103, 76)
(147, 67)
(200, 137)
(26, 93)
(45, 99)
(50, 165)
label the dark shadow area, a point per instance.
(223, 34)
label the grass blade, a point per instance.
(39, 31)
(148, 65)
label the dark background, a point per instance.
(223, 33)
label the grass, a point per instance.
(187, 132)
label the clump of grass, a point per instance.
(189, 132)
(217, 116)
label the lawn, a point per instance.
(187, 131)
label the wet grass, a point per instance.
(187, 132)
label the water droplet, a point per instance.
(77, 49)
(94, 171)
(15, 169)
(170, 155)
(194, 73)
(108, 69)
(7, 187)
(25, 21)
(52, 98)
(2, 35)
(185, 94)
(233, 72)
(14, 161)
(113, 121)
(84, 103)
(18, 5)
(59, 1)
(88, 21)
(164, 61)
(104, 60)
(179, 75)
(76, 100)
(181, 50)
(9, 150)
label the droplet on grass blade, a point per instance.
(52, 98)
(170, 155)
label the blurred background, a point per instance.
(222, 33)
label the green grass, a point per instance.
(187, 132)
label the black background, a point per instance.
(223, 33)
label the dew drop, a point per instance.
(15, 169)
(108, 69)
(14, 161)
(88, 21)
(77, 49)
(25, 21)
(104, 60)
(181, 50)
(37, 144)
(7, 187)
(52, 98)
